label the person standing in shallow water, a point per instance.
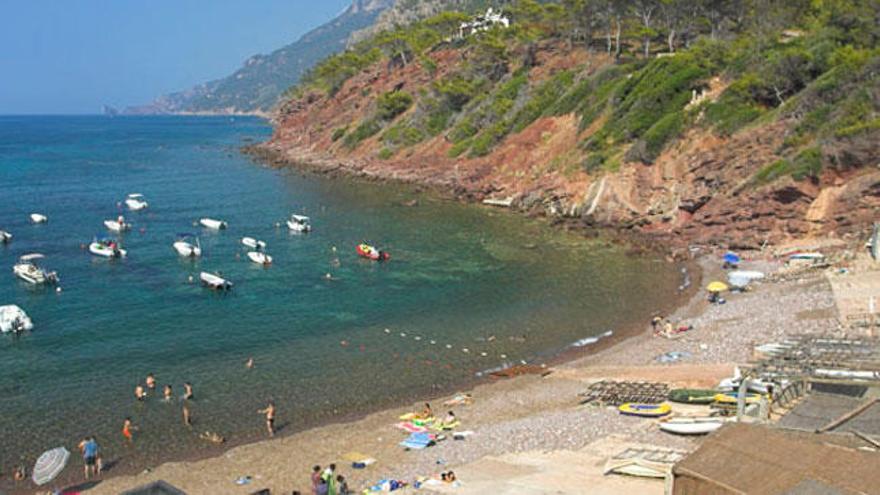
(187, 391)
(151, 381)
(127, 428)
(187, 416)
(89, 448)
(269, 411)
(167, 393)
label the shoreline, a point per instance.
(527, 413)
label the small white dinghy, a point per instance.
(211, 223)
(253, 243)
(299, 223)
(39, 218)
(5, 237)
(118, 225)
(215, 282)
(185, 246)
(136, 202)
(14, 319)
(260, 257)
(691, 426)
(28, 269)
(107, 248)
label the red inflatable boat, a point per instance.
(372, 253)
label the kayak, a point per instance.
(370, 252)
(730, 398)
(693, 395)
(645, 410)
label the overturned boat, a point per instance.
(13, 319)
(214, 281)
(136, 202)
(188, 245)
(299, 223)
(108, 248)
(211, 223)
(28, 269)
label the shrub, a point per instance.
(392, 104)
(402, 135)
(338, 133)
(365, 130)
(385, 154)
(666, 129)
(773, 171)
(807, 164)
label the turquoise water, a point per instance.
(459, 275)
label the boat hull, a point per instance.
(33, 275)
(645, 410)
(106, 252)
(13, 319)
(253, 243)
(259, 258)
(210, 223)
(214, 282)
(115, 226)
(37, 218)
(371, 253)
(187, 250)
(135, 205)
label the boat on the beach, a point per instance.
(108, 248)
(214, 281)
(645, 410)
(691, 425)
(731, 398)
(118, 225)
(299, 223)
(136, 202)
(5, 237)
(253, 243)
(259, 257)
(28, 269)
(186, 248)
(212, 223)
(38, 218)
(370, 252)
(693, 395)
(14, 319)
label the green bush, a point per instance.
(338, 133)
(735, 108)
(385, 154)
(392, 104)
(459, 148)
(365, 130)
(807, 164)
(856, 129)
(402, 135)
(666, 129)
(769, 173)
(542, 99)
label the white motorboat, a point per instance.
(28, 269)
(213, 281)
(299, 223)
(691, 425)
(14, 319)
(253, 243)
(185, 247)
(5, 237)
(211, 223)
(260, 257)
(118, 225)
(136, 202)
(107, 248)
(39, 218)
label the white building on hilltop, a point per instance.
(483, 23)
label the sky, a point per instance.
(72, 56)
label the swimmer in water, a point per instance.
(167, 392)
(151, 381)
(249, 364)
(127, 428)
(187, 391)
(139, 392)
(269, 411)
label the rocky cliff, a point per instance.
(686, 146)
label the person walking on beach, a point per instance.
(269, 411)
(316, 479)
(329, 477)
(89, 448)
(187, 391)
(127, 428)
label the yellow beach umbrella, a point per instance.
(717, 287)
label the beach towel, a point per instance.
(408, 426)
(418, 441)
(446, 426)
(387, 486)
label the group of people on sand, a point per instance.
(663, 327)
(327, 482)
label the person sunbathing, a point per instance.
(427, 413)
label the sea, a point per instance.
(468, 289)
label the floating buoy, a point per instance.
(504, 356)
(387, 330)
(417, 337)
(58, 289)
(189, 279)
(449, 346)
(465, 350)
(343, 343)
(433, 342)
(483, 354)
(402, 334)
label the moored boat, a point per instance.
(370, 252)
(38, 218)
(259, 257)
(212, 223)
(5, 237)
(14, 319)
(299, 223)
(186, 247)
(253, 243)
(108, 248)
(691, 425)
(645, 410)
(28, 269)
(136, 202)
(214, 281)
(118, 225)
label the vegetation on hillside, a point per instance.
(811, 63)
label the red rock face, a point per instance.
(700, 190)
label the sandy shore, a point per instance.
(526, 413)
